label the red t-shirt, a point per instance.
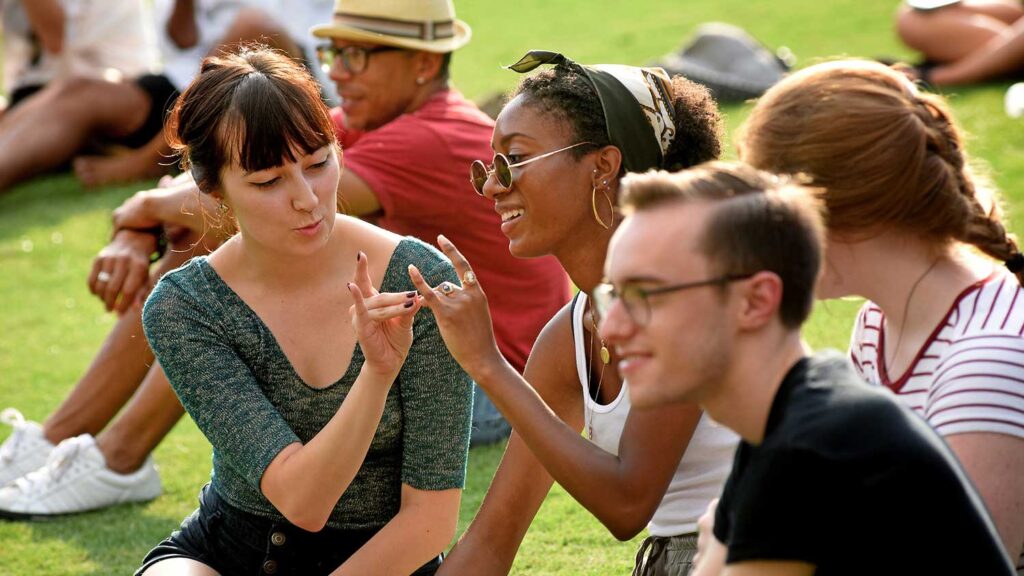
(418, 167)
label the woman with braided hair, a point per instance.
(911, 229)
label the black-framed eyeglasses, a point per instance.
(354, 59)
(501, 167)
(636, 300)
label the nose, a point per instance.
(492, 189)
(616, 326)
(304, 198)
(338, 73)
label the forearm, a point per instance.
(47, 20)
(417, 534)
(183, 205)
(306, 481)
(613, 490)
(181, 26)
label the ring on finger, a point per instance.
(446, 288)
(103, 276)
(469, 279)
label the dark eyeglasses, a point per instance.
(636, 300)
(354, 59)
(502, 168)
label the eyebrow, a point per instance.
(505, 139)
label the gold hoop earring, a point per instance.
(223, 208)
(593, 204)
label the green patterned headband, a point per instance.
(637, 105)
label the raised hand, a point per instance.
(462, 314)
(382, 322)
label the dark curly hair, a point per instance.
(566, 93)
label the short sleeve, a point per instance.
(213, 383)
(382, 160)
(979, 387)
(779, 510)
(437, 395)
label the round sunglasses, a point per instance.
(502, 168)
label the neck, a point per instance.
(934, 274)
(743, 398)
(281, 272)
(424, 93)
(583, 257)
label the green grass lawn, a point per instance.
(50, 326)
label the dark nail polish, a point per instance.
(410, 294)
(359, 255)
(409, 303)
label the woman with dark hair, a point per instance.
(911, 229)
(339, 422)
(563, 143)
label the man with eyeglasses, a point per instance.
(711, 275)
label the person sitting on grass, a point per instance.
(944, 332)
(710, 277)
(409, 136)
(561, 147)
(964, 41)
(338, 419)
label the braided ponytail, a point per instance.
(885, 154)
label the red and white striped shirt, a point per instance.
(969, 375)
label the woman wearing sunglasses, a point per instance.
(562, 145)
(339, 435)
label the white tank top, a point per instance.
(702, 470)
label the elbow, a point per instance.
(441, 535)
(306, 518)
(627, 520)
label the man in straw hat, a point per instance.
(409, 140)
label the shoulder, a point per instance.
(180, 295)
(552, 360)
(431, 263)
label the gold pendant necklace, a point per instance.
(606, 357)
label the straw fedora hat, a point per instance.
(428, 25)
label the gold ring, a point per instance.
(469, 279)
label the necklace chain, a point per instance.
(605, 359)
(906, 313)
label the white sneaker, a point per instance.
(76, 479)
(25, 450)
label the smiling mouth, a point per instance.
(511, 215)
(310, 226)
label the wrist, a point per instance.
(487, 368)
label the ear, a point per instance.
(607, 163)
(761, 296)
(427, 66)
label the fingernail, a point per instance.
(409, 304)
(410, 294)
(442, 238)
(359, 256)
(349, 285)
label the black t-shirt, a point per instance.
(853, 482)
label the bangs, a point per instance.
(268, 124)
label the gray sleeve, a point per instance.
(437, 400)
(212, 381)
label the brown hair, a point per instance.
(761, 222)
(886, 155)
(258, 108)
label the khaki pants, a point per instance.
(660, 556)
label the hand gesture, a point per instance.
(382, 322)
(462, 314)
(121, 269)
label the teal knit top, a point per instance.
(243, 393)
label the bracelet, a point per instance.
(156, 232)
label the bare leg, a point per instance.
(137, 431)
(118, 369)
(951, 33)
(999, 57)
(180, 567)
(128, 166)
(50, 127)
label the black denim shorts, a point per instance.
(234, 542)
